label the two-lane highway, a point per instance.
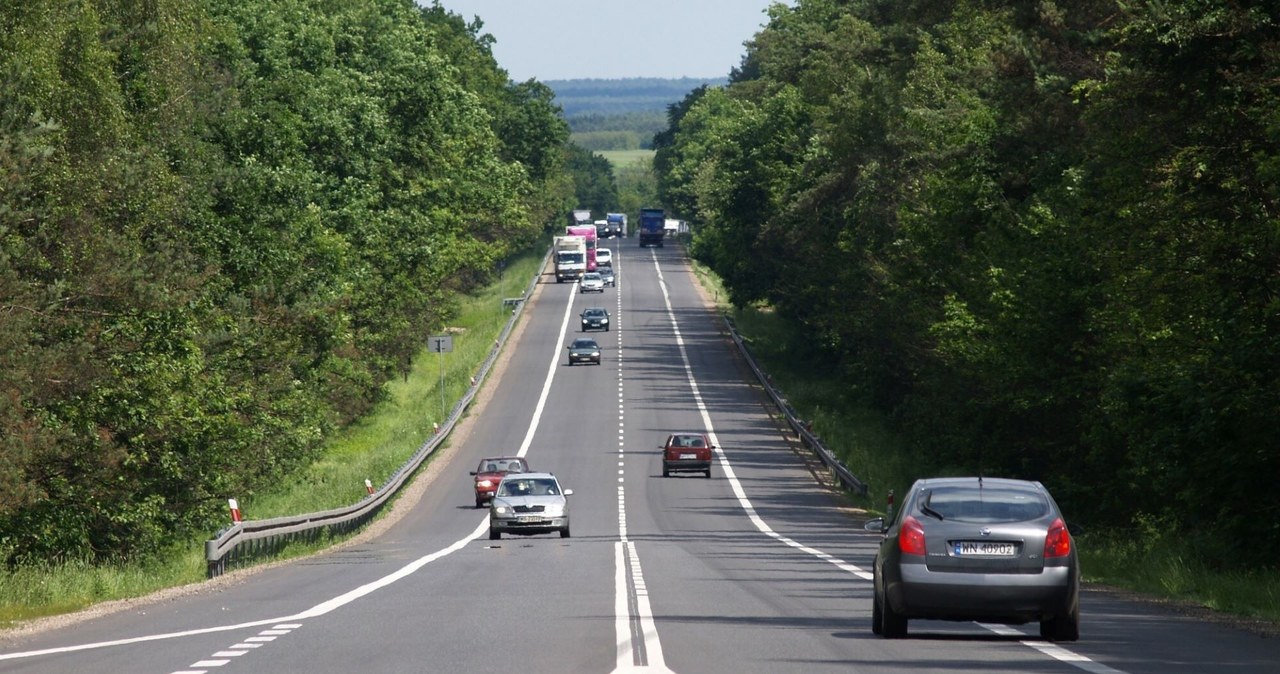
(758, 569)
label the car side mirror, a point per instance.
(877, 525)
(473, 472)
(568, 492)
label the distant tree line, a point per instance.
(224, 224)
(1042, 237)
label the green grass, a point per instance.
(625, 158)
(35, 592)
(1161, 566)
(372, 449)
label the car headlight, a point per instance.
(502, 510)
(604, 320)
(554, 511)
(595, 353)
(484, 483)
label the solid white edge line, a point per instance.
(1052, 650)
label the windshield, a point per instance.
(529, 487)
(502, 465)
(585, 344)
(569, 258)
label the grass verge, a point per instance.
(372, 449)
(1160, 567)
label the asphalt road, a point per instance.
(758, 569)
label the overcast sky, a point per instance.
(612, 39)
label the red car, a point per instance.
(489, 473)
(687, 452)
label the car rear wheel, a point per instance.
(666, 473)
(707, 473)
(1064, 627)
(892, 625)
(494, 534)
(479, 503)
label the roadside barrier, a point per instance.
(802, 429)
(248, 540)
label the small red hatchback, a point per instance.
(687, 452)
(489, 473)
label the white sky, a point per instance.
(613, 39)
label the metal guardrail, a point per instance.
(801, 429)
(251, 539)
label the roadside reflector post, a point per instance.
(890, 504)
(235, 511)
(368, 486)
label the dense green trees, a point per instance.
(1042, 236)
(222, 226)
(596, 188)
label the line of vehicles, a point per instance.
(577, 251)
(985, 549)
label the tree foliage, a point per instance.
(1041, 236)
(223, 226)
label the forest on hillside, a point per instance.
(224, 225)
(1042, 238)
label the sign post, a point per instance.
(441, 344)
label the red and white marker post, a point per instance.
(235, 511)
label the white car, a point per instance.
(604, 257)
(591, 282)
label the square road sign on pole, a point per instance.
(440, 343)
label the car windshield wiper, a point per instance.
(928, 510)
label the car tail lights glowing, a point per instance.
(1058, 542)
(911, 537)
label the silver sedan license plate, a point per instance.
(983, 549)
(529, 519)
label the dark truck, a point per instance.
(652, 221)
(615, 225)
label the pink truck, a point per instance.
(588, 232)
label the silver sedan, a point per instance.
(529, 503)
(591, 283)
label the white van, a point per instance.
(604, 257)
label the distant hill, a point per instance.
(637, 94)
(622, 114)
